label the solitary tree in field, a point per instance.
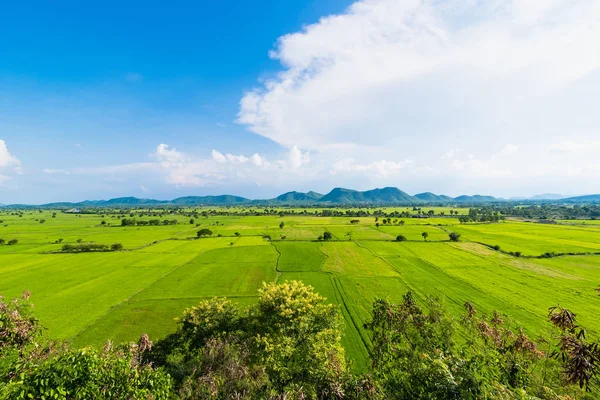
(281, 225)
(400, 238)
(455, 237)
(204, 232)
(425, 235)
(327, 235)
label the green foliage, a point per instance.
(116, 247)
(87, 374)
(88, 247)
(204, 232)
(327, 235)
(287, 343)
(455, 237)
(401, 238)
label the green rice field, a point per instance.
(91, 297)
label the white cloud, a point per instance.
(144, 189)
(51, 171)
(378, 169)
(570, 146)
(388, 81)
(173, 167)
(9, 164)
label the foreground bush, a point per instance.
(287, 346)
(89, 374)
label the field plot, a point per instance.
(533, 239)
(299, 256)
(92, 297)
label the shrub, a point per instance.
(401, 238)
(84, 248)
(13, 242)
(455, 237)
(90, 374)
(116, 247)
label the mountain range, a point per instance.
(341, 196)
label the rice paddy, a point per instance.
(89, 298)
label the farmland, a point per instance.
(91, 297)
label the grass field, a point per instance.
(92, 297)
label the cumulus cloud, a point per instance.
(9, 164)
(419, 79)
(173, 167)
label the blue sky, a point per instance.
(257, 98)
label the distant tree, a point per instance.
(79, 240)
(116, 247)
(103, 223)
(192, 222)
(281, 225)
(455, 237)
(2, 241)
(377, 224)
(401, 238)
(267, 237)
(354, 221)
(42, 221)
(283, 237)
(12, 242)
(401, 222)
(349, 235)
(425, 235)
(237, 234)
(320, 238)
(204, 232)
(327, 235)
